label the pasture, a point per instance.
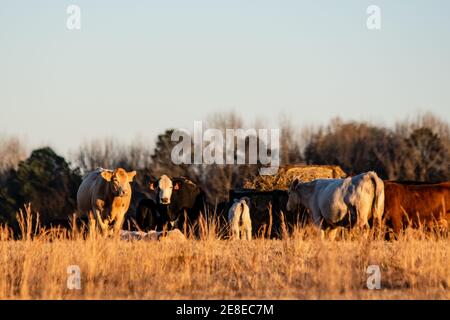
(298, 266)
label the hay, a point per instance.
(286, 174)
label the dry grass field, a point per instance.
(300, 266)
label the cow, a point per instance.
(337, 203)
(130, 217)
(239, 220)
(174, 198)
(140, 190)
(414, 204)
(188, 201)
(104, 197)
(153, 213)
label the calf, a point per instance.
(239, 220)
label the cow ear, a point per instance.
(131, 175)
(107, 175)
(176, 186)
(151, 185)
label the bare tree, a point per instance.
(109, 153)
(215, 179)
(12, 151)
(427, 138)
(414, 150)
(290, 140)
(429, 160)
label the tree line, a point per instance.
(417, 149)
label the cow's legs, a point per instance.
(362, 221)
(377, 225)
(332, 234)
(317, 218)
(319, 222)
(248, 232)
(322, 234)
(443, 226)
(92, 224)
(397, 221)
(118, 224)
(235, 232)
(104, 226)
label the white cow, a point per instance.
(335, 203)
(239, 219)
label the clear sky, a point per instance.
(138, 67)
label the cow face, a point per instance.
(119, 181)
(164, 188)
(294, 198)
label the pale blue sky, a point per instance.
(138, 68)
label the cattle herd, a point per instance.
(363, 201)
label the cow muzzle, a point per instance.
(165, 200)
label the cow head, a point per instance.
(294, 198)
(163, 188)
(300, 193)
(119, 181)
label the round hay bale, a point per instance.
(286, 174)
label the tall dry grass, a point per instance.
(300, 266)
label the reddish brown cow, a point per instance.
(415, 204)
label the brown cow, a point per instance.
(104, 196)
(415, 204)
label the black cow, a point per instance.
(153, 216)
(186, 200)
(152, 213)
